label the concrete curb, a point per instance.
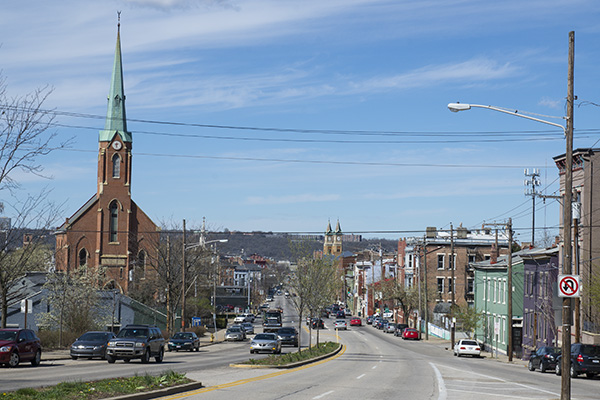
(159, 393)
(292, 365)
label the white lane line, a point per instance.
(440, 381)
(322, 395)
(374, 366)
(358, 377)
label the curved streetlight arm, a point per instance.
(456, 107)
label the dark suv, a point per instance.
(288, 335)
(136, 341)
(585, 358)
(18, 345)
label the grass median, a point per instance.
(290, 358)
(99, 389)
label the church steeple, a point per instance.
(116, 122)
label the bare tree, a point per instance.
(24, 138)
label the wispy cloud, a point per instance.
(292, 199)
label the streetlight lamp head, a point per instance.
(456, 107)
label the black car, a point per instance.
(317, 323)
(544, 358)
(136, 341)
(399, 329)
(585, 359)
(184, 341)
(288, 335)
(91, 344)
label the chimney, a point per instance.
(494, 254)
(431, 232)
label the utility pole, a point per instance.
(425, 274)
(183, 282)
(576, 217)
(565, 393)
(452, 286)
(533, 182)
(510, 292)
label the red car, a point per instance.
(355, 322)
(18, 345)
(410, 333)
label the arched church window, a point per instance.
(141, 262)
(83, 254)
(114, 220)
(116, 166)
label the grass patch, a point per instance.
(99, 389)
(289, 358)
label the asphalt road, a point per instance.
(373, 365)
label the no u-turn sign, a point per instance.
(568, 286)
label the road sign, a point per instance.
(27, 306)
(196, 321)
(568, 286)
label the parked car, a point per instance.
(317, 323)
(355, 322)
(399, 329)
(288, 335)
(18, 345)
(585, 359)
(91, 344)
(184, 341)
(340, 324)
(369, 320)
(347, 312)
(410, 333)
(544, 358)
(265, 342)
(467, 347)
(248, 328)
(390, 327)
(235, 333)
(136, 341)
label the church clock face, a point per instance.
(117, 145)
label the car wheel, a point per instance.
(146, 357)
(543, 367)
(14, 360)
(198, 348)
(74, 357)
(572, 371)
(590, 375)
(161, 355)
(126, 360)
(36, 360)
(530, 366)
(110, 359)
(557, 368)
(251, 351)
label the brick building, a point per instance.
(110, 231)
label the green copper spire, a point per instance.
(116, 121)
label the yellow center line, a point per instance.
(255, 379)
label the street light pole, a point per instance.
(183, 282)
(567, 204)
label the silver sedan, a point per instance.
(268, 342)
(467, 347)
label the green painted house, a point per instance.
(491, 299)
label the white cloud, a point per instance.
(291, 199)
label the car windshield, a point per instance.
(287, 330)
(234, 329)
(590, 350)
(265, 336)
(133, 332)
(94, 336)
(468, 342)
(8, 335)
(182, 335)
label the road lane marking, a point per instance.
(442, 394)
(255, 379)
(323, 395)
(374, 366)
(358, 377)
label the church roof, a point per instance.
(82, 210)
(116, 122)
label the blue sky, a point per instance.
(356, 90)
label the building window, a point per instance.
(503, 291)
(453, 260)
(141, 262)
(114, 221)
(83, 254)
(450, 287)
(441, 258)
(440, 285)
(470, 286)
(116, 166)
(472, 258)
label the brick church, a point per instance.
(110, 231)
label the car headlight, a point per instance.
(171, 343)
(140, 344)
(5, 349)
(111, 343)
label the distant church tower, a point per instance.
(110, 232)
(333, 240)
